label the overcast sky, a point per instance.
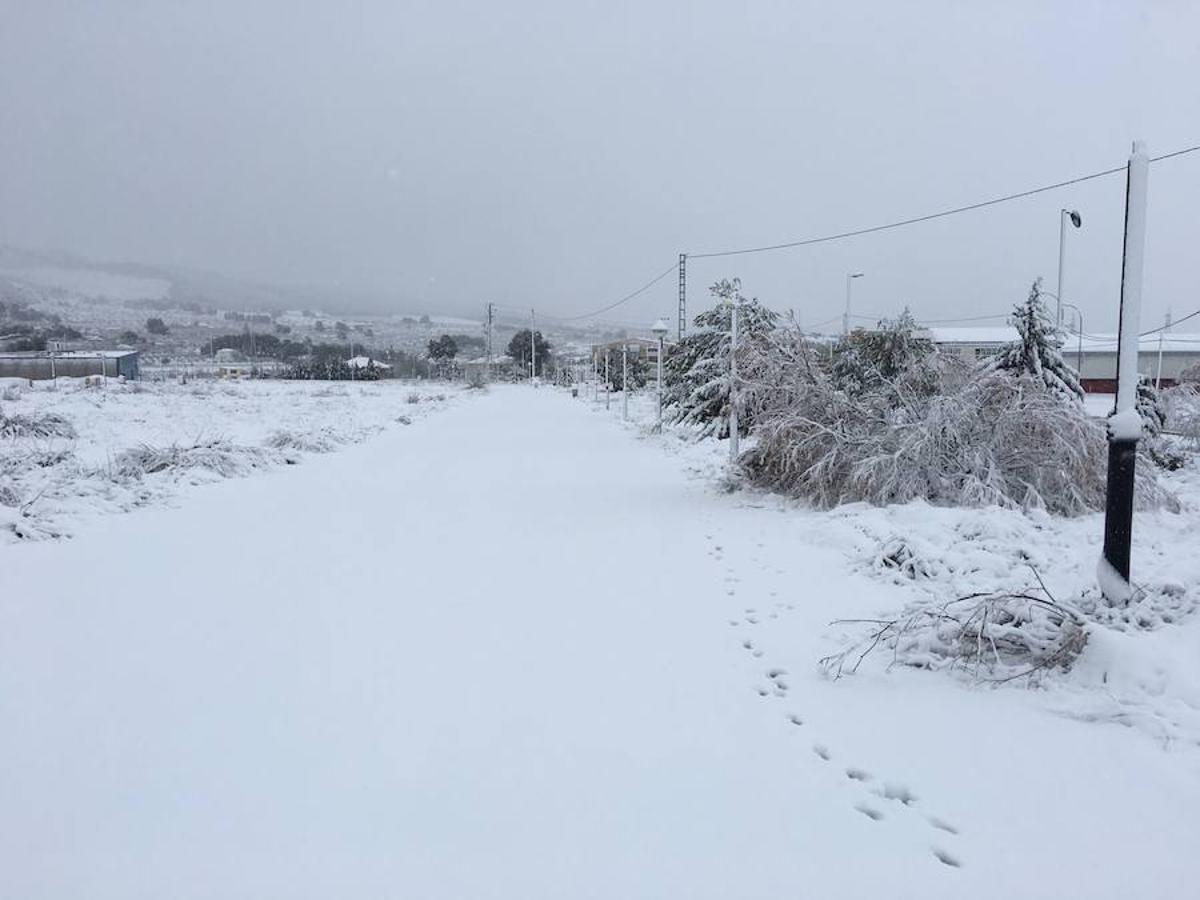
(558, 154)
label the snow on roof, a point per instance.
(361, 362)
(1004, 334)
(67, 354)
(1095, 343)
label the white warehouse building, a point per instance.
(1094, 357)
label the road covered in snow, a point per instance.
(515, 650)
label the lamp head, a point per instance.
(1076, 218)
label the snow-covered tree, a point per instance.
(1150, 407)
(697, 371)
(1039, 351)
(868, 358)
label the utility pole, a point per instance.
(532, 349)
(489, 342)
(625, 382)
(1124, 426)
(850, 276)
(1161, 334)
(682, 296)
(733, 344)
(607, 380)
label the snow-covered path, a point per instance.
(510, 652)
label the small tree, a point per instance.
(444, 347)
(156, 325)
(519, 348)
(697, 372)
(866, 359)
(1039, 350)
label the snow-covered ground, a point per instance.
(51, 481)
(516, 650)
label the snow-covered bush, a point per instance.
(994, 637)
(982, 440)
(323, 441)
(217, 456)
(696, 374)
(1183, 411)
(867, 359)
(46, 425)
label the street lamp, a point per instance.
(660, 329)
(850, 276)
(1077, 221)
(1079, 335)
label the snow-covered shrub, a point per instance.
(980, 439)
(1038, 353)
(994, 637)
(10, 394)
(217, 456)
(1183, 411)
(696, 373)
(867, 359)
(414, 397)
(476, 381)
(322, 441)
(46, 425)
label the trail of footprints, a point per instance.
(775, 684)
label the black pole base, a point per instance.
(1118, 508)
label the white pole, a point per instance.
(846, 314)
(532, 347)
(1062, 241)
(625, 381)
(1131, 280)
(660, 379)
(733, 344)
(607, 382)
(1158, 374)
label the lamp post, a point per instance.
(1077, 221)
(1079, 335)
(850, 276)
(660, 329)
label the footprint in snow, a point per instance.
(857, 774)
(898, 792)
(795, 719)
(822, 751)
(946, 859)
(942, 825)
(872, 814)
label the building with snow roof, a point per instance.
(1093, 356)
(40, 365)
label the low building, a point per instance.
(366, 362)
(40, 365)
(1160, 356)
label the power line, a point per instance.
(645, 287)
(1171, 325)
(937, 215)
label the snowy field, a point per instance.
(81, 447)
(521, 649)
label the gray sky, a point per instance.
(558, 154)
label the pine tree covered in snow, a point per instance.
(697, 371)
(1039, 351)
(1151, 408)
